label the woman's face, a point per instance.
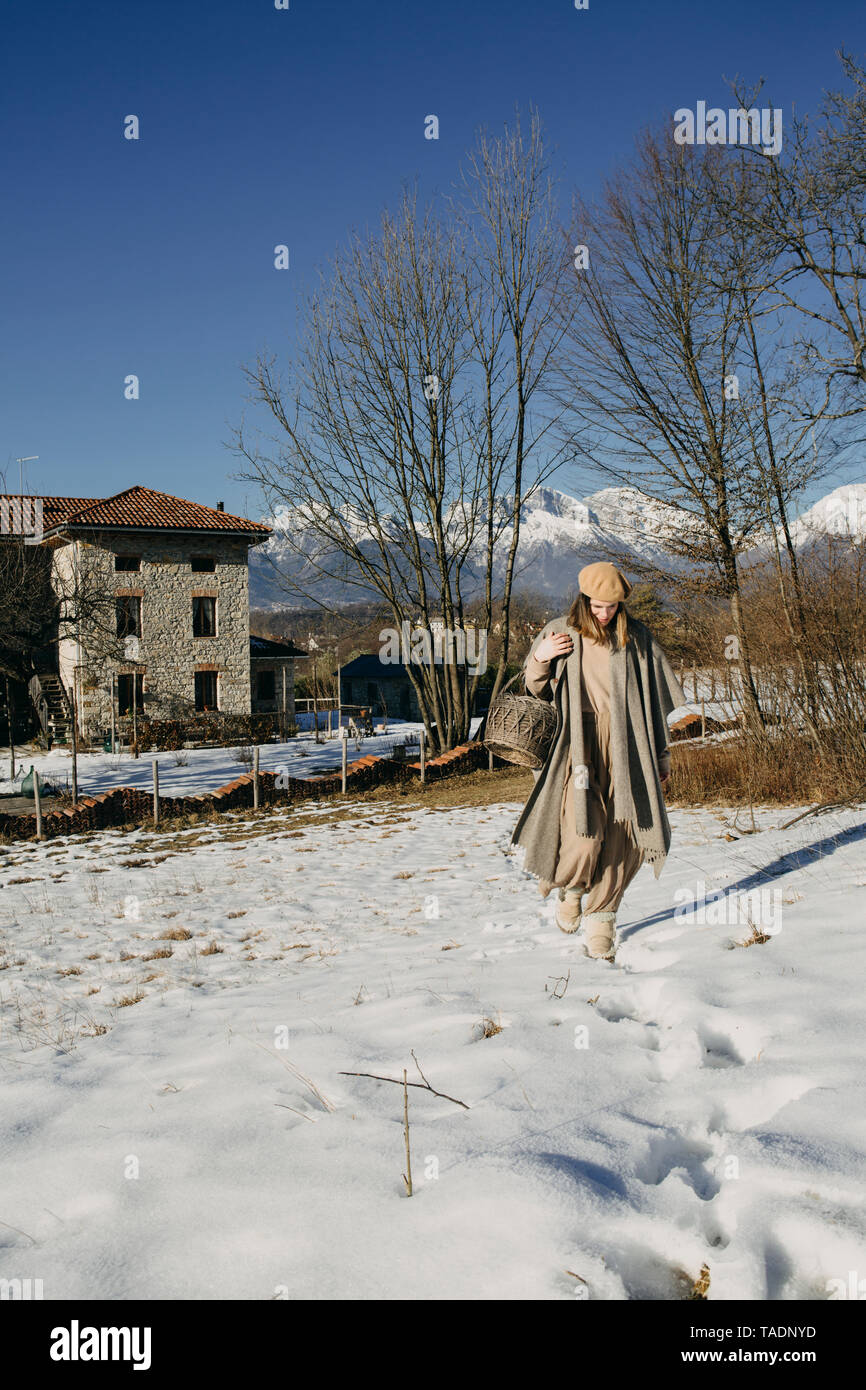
(603, 612)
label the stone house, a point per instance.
(165, 626)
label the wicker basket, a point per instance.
(520, 728)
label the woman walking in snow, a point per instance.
(597, 809)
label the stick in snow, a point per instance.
(397, 1082)
(407, 1180)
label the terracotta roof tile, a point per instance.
(54, 509)
(143, 507)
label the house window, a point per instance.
(266, 686)
(128, 688)
(205, 690)
(204, 617)
(202, 564)
(128, 610)
(125, 563)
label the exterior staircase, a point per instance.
(52, 705)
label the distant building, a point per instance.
(366, 680)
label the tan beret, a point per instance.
(604, 582)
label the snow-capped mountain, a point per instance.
(559, 534)
(841, 513)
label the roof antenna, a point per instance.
(30, 458)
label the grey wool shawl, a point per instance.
(643, 692)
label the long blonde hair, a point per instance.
(584, 620)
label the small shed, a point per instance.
(272, 676)
(689, 725)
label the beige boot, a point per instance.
(568, 909)
(599, 934)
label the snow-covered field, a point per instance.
(176, 1123)
(198, 770)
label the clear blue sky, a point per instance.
(262, 126)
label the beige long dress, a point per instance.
(602, 864)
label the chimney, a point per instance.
(221, 506)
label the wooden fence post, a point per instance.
(423, 743)
(344, 740)
(256, 778)
(155, 792)
(38, 800)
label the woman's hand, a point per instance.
(557, 644)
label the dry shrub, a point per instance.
(741, 771)
(806, 629)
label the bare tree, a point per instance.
(28, 604)
(405, 440)
(808, 210)
(658, 369)
(50, 594)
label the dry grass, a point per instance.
(757, 937)
(175, 934)
(127, 999)
(777, 772)
(489, 1027)
(162, 954)
(212, 950)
